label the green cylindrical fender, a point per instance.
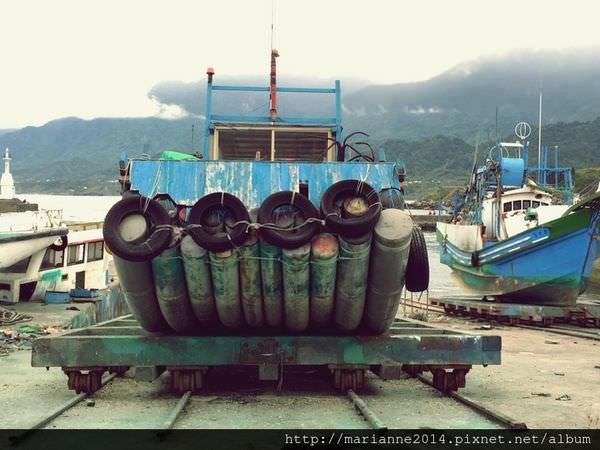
(389, 256)
(198, 280)
(137, 284)
(272, 283)
(225, 277)
(351, 284)
(250, 281)
(296, 285)
(171, 290)
(323, 269)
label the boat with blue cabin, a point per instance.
(516, 234)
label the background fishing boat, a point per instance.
(514, 235)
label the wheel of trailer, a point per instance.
(186, 380)
(412, 369)
(88, 382)
(119, 370)
(344, 379)
(444, 381)
(417, 267)
(460, 375)
(547, 321)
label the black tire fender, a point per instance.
(155, 215)
(219, 242)
(475, 259)
(285, 238)
(417, 267)
(64, 241)
(351, 227)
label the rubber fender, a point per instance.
(285, 238)
(64, 241)
(232, 237)
(475, 259)
(350, 227)
(155, 241)
(417, 268)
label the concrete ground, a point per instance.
(545, 380)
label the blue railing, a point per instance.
(334, 122)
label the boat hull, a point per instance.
(19, 246)
(550, 264)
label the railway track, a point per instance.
(549, 326)
(178, 409)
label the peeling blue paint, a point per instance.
(250, 181)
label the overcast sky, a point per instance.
(100, 58)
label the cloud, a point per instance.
(421, 110)
(169, 111)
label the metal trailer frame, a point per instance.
(410, 346)
(582, 313)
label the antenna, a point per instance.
(273, 83)
(192, 138)
(496, 123)
(272, 21)
(540, 122)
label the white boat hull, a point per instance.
(13, 251)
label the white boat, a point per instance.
(24, 230)
(82, 264)
(35, 255)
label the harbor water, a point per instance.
(78, 207)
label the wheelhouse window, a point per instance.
(95, 251)
(508, 207)
(535, 204)
(526, 204)
(517, 205)
(273, 144)
(244, 144)
(300, 146)
(53, 259)
(75, 254)
(18, 267)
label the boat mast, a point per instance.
(274, 55)
(540, 131)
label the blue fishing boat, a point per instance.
(281, 223)
(515, 234)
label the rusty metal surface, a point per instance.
(250, 181)
(121, 343)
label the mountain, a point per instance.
(459, 102)
(191, 96)
(430, 124)
(80, 156)
(445, 161)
